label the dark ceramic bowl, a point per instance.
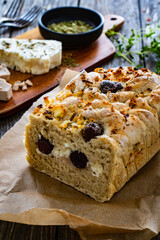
(70, 41)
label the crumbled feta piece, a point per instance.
(4, 73)
(97, 169)
(5, 90)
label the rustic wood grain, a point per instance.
(149, 14)
(130, 10)
(4, 32)
(16, 231)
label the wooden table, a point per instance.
(136, 13)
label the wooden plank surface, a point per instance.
(131, 10)
(149, 14)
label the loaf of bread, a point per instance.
(98, 131)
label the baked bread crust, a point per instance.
(128, 113)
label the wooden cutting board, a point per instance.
(87, 58)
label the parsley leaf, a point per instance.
(124, 45)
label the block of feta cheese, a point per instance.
(5, 90)
(30, 56)
(4, 72)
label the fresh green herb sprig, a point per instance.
(124, 45)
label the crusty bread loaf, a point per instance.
(99, 131)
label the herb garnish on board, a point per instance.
(69, 60)
(124, 45)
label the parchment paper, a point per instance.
(31, 197)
